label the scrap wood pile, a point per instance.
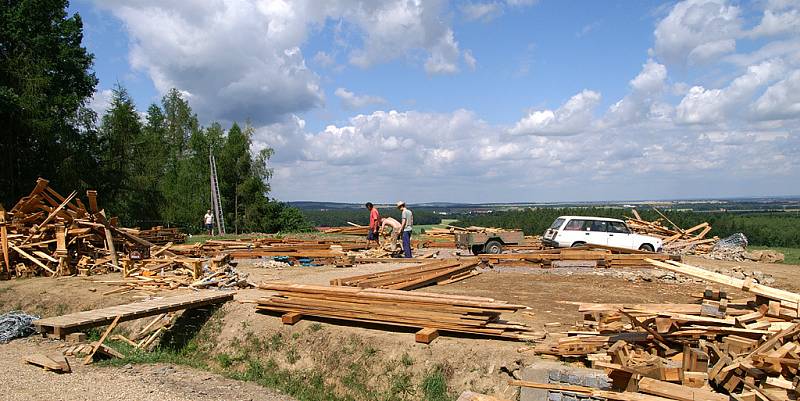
(46, 233)
(159, 235)
(427, 311)
(180, 272)
(408, 278)
(676, 240)
(748, 348)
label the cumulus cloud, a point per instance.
(778, 22)
(781, 100)
(572, 118)
(481, 11)
(470, 60)
(704, 106)
(697, 31)
(100, 101)
(353, 101)
(242, 60)
(643, 100)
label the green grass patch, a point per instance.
(434, 385)
(419, 229)
(791, 255)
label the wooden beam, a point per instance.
(31, 258)
(426, 335)
(99, 342)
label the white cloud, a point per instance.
(704, 106)
(470, 60)
(781, 100)
(643, 100)
(697, 31)
(574, 117)
(474, 11)
(777, 23)
(353, 101)
(242, 59)
(100, 101)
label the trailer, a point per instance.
(488, 242)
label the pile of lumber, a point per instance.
(159, 235)
(430, 312)
(352, 229)
(676, 240)
(293, 248)
(49, 234)
(409, 278)
(601, 255)
(746, 348)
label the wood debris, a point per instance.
(748, 349)
(55, 363)
(676, 240)
(434, 312)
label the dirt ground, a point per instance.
(477, 364)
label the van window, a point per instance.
(557, 224)
(575, 225)
(599, 225)
(618, 227)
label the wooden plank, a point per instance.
(99, 342)
(426, 335)
(291, 318)
(677, 391)
(31, 258)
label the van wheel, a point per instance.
(577, 244)
(477, 249)
(646, 247)
(493, 247)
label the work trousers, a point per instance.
(407, 244)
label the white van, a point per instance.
(569, 231)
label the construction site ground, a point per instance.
(477, 364)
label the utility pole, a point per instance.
(216, 201)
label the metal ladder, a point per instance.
(216, 200)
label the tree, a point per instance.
(120, 134)
(45, 82)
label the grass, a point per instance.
(419, 228)
(792, 255)
(250, 357)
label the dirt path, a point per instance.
(160, 382)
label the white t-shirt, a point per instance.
(209, 218)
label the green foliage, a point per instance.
(781, 229)
(45, 81)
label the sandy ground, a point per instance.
(479, 364)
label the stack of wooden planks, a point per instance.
(409, 278)
(676, 240)
(346, 230)
(603, 256)
(746, 348)
(159, 235)
(429, 312)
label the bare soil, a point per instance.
(377, 355)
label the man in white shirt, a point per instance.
(208, 219)
(407, 225)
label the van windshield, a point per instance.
(556, 224)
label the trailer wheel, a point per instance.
(494, 247)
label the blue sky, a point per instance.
(479, 101)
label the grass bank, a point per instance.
(347, 373)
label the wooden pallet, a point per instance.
(60, 326)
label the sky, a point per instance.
(479, 100)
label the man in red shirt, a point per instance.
(374, 224)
